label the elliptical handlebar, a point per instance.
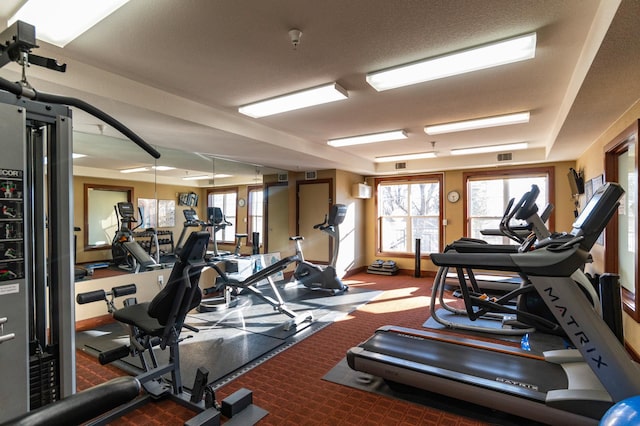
(505, 226)
(527, 205)
(320, 225)
(522, 210)
(324, 225)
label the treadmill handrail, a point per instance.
(539, 262)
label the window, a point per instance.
(255, 213)
(488, 196)
(409, 209)
(226, 201)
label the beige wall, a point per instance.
(592, 164)
(147, 286)
(353, 230)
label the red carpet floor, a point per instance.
(290, 385)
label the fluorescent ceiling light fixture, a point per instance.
(478, 123)
(202, 177)
(135, 170)
(492, 148)
(59, 22)
(402, 157)
(163, 168)
(196, 177)
(305, 98)
(491, 55)
(371, 138)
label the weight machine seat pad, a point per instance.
(83, 406)
(137, 315)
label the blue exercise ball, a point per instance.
(624, 413)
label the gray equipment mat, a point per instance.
(232, 340)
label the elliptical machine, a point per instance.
(316, 277)
(121, 257)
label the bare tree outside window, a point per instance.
(488, 199)
(408, 211)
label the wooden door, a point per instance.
(277, 220)
(314, 201)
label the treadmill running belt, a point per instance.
(529, 377)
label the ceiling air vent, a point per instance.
(311, 175)
(283, 177)
(505, 157)
(401, 166)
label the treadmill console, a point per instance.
(593, 218)
(190, 216)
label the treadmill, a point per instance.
(574, 386)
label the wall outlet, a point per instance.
(160, 280)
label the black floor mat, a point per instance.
(230, 341)
(343, 375)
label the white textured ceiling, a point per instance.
(175, 72)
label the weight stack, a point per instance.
(44, 384)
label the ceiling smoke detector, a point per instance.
(294, 36)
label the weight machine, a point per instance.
(37, 307)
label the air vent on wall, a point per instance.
(505, 157)
(283, 177)
(401, 166)
(310, 175)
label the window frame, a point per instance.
(435, 178)
(250, 215)
(506, 174)
(619, 145)
(128, 190)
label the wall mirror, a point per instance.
(106, 167)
